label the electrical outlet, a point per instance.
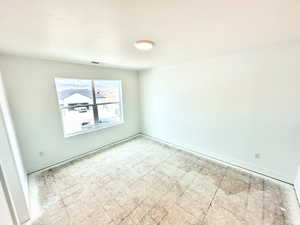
(257, 155)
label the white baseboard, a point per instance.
(250, 168)
(297, 185)
(297, 191)
(103, 147)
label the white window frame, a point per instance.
(94, 105)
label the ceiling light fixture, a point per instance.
(144, 45)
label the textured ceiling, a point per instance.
(105, 30)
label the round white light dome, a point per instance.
(144, 45)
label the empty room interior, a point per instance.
(162, 112)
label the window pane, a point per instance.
(77, 119)
(73, 92)
(107, 90)
(109, 113)
(78, 108)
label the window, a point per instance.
(88, 105)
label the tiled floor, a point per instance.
(143, 182)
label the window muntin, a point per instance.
(88, 105)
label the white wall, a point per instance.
(32, 96)
(11, 162)
(230, 107)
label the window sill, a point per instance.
(93, 129)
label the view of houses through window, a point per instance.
(88, 104)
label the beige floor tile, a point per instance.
(147, 220)
(178, 216)
(158, 212)
(220, 216)
(139, 212)
(143, 182)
